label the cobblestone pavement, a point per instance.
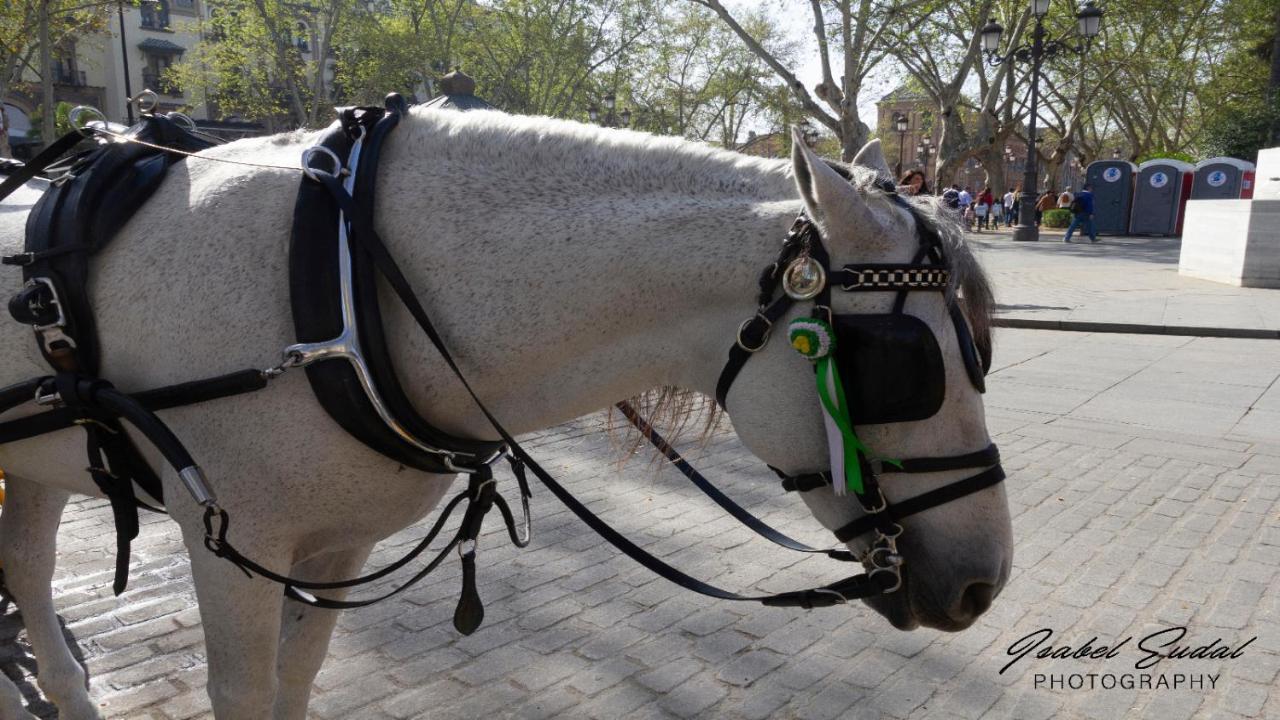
(1145, 487)
(1131, 280)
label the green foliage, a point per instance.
(1167, 155)
(61, 123)
(1056, 218)
(1239, 119)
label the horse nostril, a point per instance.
(976, 599)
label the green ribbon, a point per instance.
(815, 340)
(838, 409)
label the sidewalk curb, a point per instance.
(1135, 328)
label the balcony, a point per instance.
(160, 84)
(69, 78)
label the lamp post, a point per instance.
(1089, 23)
(923, 148)
(900, 123)
(610, 119)
(808, 132)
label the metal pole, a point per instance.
(124, 55)
(1026, 229)
(902, 135)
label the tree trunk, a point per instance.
(48, 126)
(992, 161)
(5, 150)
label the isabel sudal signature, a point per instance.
(1151, 650)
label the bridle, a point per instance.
(803, 270)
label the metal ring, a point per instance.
(896, 573)
(182, 119)
(306, 161)
(768, 330)
(146, 101)
(73, 117)
(467, 547)
(828, 591)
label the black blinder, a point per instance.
(974, 365)
(890, 366)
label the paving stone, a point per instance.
(1116, 533)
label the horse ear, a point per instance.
(871, 156)
(820, 187)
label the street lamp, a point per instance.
(900, 123)
(808, 132)
(1089, 24)
(610, 119)
(923, 148)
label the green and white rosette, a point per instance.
(814, 339)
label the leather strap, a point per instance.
(737, 511)
(897, 511)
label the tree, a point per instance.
(19, 27)
(255, 62)
(862, 31)
(691, 76)
(1242, 100)
(550, 57)
(938, 43)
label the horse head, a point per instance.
(908, 366)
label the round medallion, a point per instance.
(804, 278)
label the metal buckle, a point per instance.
(47, 399)
(884, 503)
(857, 282)
(768, 330)
(52, 332)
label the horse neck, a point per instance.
(560, 300)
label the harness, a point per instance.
(336, 257)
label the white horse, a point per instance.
(566, 267)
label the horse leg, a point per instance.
(28, 545)
(12, 706)
(305, 631)
(241, 620)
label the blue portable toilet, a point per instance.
(1223, 178)
(1159, 195)
(1112, 183)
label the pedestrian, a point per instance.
(966, 198)
(1044, 204)
(1064, 200)
(951, 198)
(1010, 205)
(984, 203)
(997, 213)
(1082, 214)
(913, 183)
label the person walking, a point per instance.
(1082, 215)
(985, 202)
(951, 198)
(1064, 200)
(1010, 207)
(1045, 204)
